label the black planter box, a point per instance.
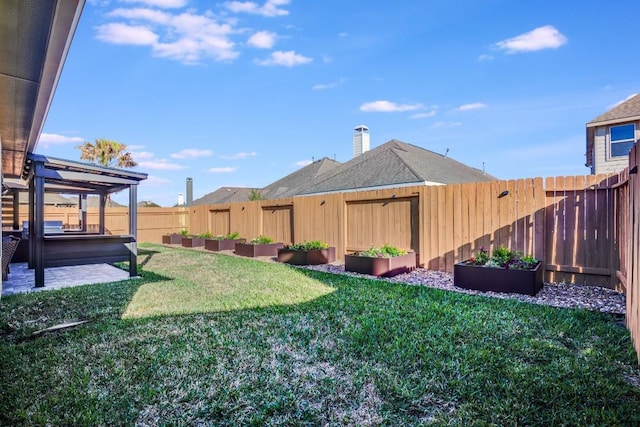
(386, 267)
(222, 245)
(312, 257)
(255, 250)
(193, 242)
(172, 239)
(480, 278)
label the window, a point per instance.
(622, 139)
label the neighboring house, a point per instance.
(393, 164)
(611, 135)
(224, 195)
(300, 180)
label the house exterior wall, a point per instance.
(602, 160)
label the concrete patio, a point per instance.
(22, 280)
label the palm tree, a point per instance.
(106, 153)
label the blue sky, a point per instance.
(241, 93)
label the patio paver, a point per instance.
(22, 280)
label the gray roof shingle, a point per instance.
(300, 180)
(396, 163)
(224, 195)
(626, 109)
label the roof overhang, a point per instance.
(35, 36)
(613, 122)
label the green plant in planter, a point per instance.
(504, 258)
(385, 251)
(262, 240)
(309, 246)
(231, 236)
(184, 232)
(205, 235)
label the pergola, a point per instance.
(49, 174)
(35, 36)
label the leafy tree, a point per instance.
(106, 152)
(255, 194)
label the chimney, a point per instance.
(189, 191)
(361, 140)
(180, 199)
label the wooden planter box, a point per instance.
(480, 278)
(312, 257)
(386, 267)
(172, 239)
(251, 250)
(193, 242)
(221, 245)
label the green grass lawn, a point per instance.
(207, 339)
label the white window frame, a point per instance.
(619, 141)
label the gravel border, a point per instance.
(563, 295)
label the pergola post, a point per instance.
(38, 225)
(32, 220)
(133, 227)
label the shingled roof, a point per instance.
(300, 180)
(224, 195)
(626, 110)
(392, 164)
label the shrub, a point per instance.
(386, 251)
(309, 246)
(504, 258)
(184, 232)
(262, 240)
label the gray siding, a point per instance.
(602, 161)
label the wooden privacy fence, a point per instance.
(568, 222)
(627, 214)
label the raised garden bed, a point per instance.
(380, 266)
(258, 249)
(310, 257)
(222, 244)
(481, 278)
(172, 239)
(193, 242)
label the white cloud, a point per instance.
(153, 181)
(388, 107)
(141, 14)
(303, 163)
(160, 164)
(485, 57)
(262, 40)
(473, 106)
(547, 37)
(286, 59)
(423, 115)
(160, 3)
(48, 139)
(191, 153)
(445, 125)
(241, 155)
(226, 169)
(270, 8)
(119, 33)
(141, 155)
(185, 37)
(323, 86)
